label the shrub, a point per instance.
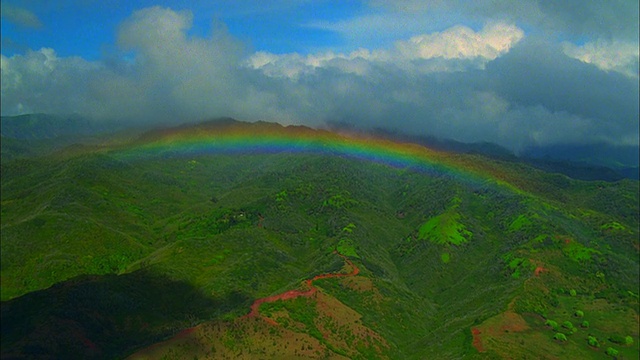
(628, 340)
(585, 324)
(579, 313)
(560, 337)
(572, 292)
(569, 326)
(593, 341)
(612, 352)
(553, 324)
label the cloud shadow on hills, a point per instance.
(107, 316)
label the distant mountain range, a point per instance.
(35, 134)
(584, 162)
(44, 126)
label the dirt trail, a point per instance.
(292, 294)
(477, 341)
(255, 312)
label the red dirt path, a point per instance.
(539, 270)
(477, 342)
(292, 294)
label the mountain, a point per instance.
(582, 162)
(597, 154)
(235, 240)
(45, 126)
(38, 134)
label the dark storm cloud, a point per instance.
(592, 18)
(535, 73)
(613, 19)
(533, 95)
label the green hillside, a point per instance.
(103, 256)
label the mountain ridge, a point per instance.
(64, 130)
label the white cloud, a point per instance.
(616, 56)
(40, 81)
(456, 43)
(293, 65)
(461, 42)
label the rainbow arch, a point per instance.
(271, 138)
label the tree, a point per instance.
(612, 352)
(628, 340)
(552, 324)
(585, 324)
(560, 336)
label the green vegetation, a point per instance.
(520, 222)
(578, 252)
(628, 340)
(347, 248)
(516, 265)
(554, 325)
(445, 228)
(569, 326)
(122, 250)
(614, 225)
(560, 337)
(612, 352)
(617, 339)
(593, 341)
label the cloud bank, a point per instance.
(496, 83)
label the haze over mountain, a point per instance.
(523, 75)
(41, 133)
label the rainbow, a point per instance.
(271, 138)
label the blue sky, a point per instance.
(517, 73)
(85, 28)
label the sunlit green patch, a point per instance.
(540, 238)
(517, 266)
(578, 252)
(520, 222)
(614, 225)
(347, 248)
(445, 229)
